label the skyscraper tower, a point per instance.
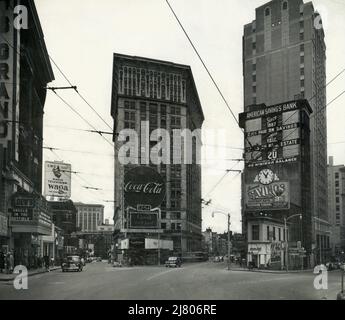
(284, 59)
(164, 95)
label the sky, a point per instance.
(81, 37)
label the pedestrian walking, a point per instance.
(2, 261)
(46, 262)
(10, 262)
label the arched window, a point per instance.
(285, 5)
(267, 12)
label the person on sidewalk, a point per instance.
(10, 262)
(46, 262)
(2, 262)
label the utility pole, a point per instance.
(229, 243)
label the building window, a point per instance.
(285, 5)
(274, 233)
(173, 226)
(336, 175)
(255, 232)
(301, 36)
(254, 66)
(337, 200)
(302, 47)
(163, 215)
(254, 45)
(280, 234)
(267, 12)
(268, 233)
(302, 83)
(254, 89)
(302, 59)
(337, 208)
(254, 77)
(337, 184)
(163, 225)
(302, 71)
(337, 192)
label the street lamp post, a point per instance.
(228, 215)
(286, 239)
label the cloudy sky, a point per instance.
(81, 36)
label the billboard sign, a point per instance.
(143, 186)
(273, 134)
(22, 214)
(143, 220)
(267, 192)
(159, 244)
(58, 179)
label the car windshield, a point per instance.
(172, 258)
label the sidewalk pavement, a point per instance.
(11, 277)
(269, 271)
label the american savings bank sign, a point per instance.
(143, 188)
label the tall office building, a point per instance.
(25, 71)
(164, 95)
(89, 216)
(336, 206)
(283, 60)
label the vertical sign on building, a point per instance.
(58, 179)
(9, 75)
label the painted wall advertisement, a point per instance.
(58, 179)
(267, 192)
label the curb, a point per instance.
(29, 275)
(273, 272)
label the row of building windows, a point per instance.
(272, 234)
(173, 226)
(152, 84)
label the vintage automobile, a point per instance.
(173, 262)
(72, 263)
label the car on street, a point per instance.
(117, 264)
(72, 263)
(173, 262)
(217, 259)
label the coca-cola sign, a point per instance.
(144, 186)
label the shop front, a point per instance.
(265, 255)
(29, 221)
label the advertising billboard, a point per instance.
(267, 192)
(144, 187)
(272, 134)
(143, 220)
(159, 244)
(58, 179)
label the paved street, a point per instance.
(193, 281)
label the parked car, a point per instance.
(173, 262)
(216, 259)
(117, 264)
(72, 263)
